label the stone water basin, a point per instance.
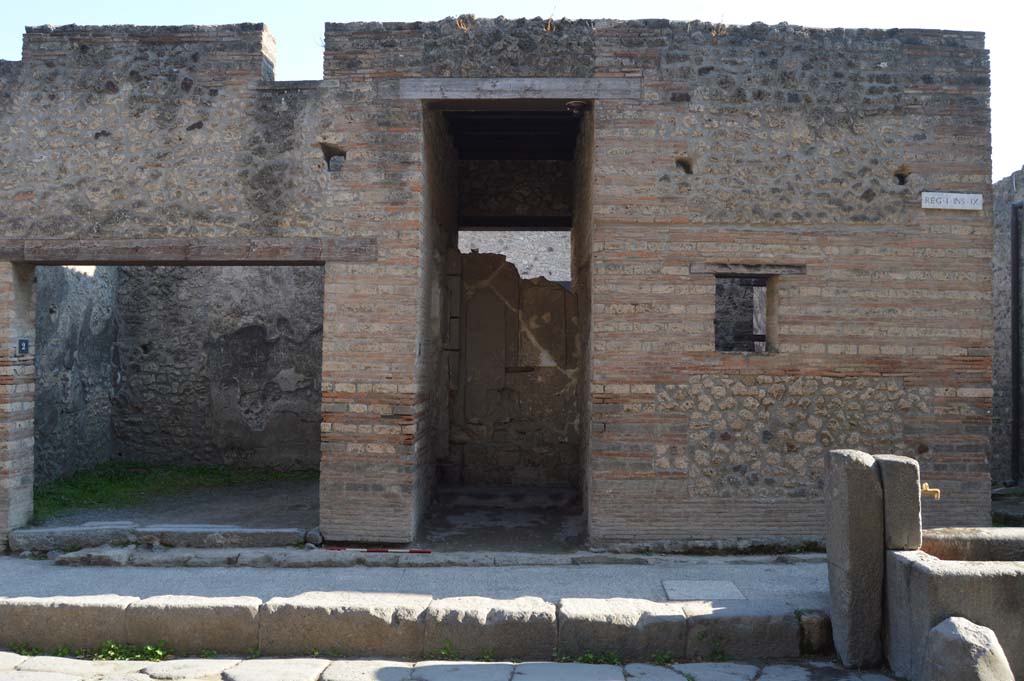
(972, 572)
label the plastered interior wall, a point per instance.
(436, 361)
(515, 416)
(794, 137)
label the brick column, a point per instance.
(17, 394)
(367, 443)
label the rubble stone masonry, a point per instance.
(753, 145)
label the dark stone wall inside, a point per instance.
(184, 365)
(75, 331)
(219, 365)
(1005, 192)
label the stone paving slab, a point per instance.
(802, 584)
(310, 669)
(463, 671)
(368, 670)
(550, 671)
(717, 671)
(187, 670)
(302, 669)
(701, 590)
(10, 660)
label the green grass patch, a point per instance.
(592, 658)
(108, 651)
(119, 484)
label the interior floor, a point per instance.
(283, 503)
(532, 520)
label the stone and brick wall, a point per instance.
(17, 394)
(746, 145)
(793, 137)
(1004, 193)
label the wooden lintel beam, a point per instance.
(516, 154)
(503, 223)
(521, 88)
(744, 270)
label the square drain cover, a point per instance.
(701, 590)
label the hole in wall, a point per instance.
(901, 174)
(334, 155)
(685, 163)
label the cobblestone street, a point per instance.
(15, 668)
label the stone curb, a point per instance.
(524, 628)
(190, 624)
(360, 624)
(71, 621)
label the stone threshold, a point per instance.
(73, 538)
(415, 626)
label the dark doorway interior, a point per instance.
(509, 475)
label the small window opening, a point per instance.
(334, 156)
(685, 163)
(901, 175)
(744, 314)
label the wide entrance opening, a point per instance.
(178, 395)
(508, 226)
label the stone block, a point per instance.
(922, 590)
(190, 624)
(975, 543)
(276, 670)
(855, 539)
(567, 671)
(188, 670)
(344, 624)
(717, 671)
(649, 672)
(63, 621)
(463, 671)
(523, 628)
(367, 670)
(71, 538)
(815, 632)
(960, 650)
(741, 629)
(634, 628)
(104, 556)
(220, 536)
(94, 670)
(901, 495)
(9, 661)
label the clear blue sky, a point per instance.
(298, 28)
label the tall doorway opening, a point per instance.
(507, 197)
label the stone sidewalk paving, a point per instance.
(17, 668)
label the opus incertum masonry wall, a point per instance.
(794, 155)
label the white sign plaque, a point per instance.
(951, 201)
